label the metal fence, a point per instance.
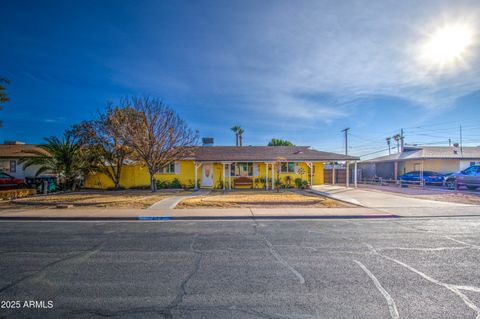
(390, 182)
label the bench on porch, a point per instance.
(244, 181)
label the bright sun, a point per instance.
(448, 45)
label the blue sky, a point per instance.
(298, 70)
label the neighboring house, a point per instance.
(229, 166)
(11, 152)
(441, 159)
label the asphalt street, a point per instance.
(388, 268)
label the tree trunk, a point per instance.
(240, 139)
(153, 182)
(117, 173)
(236, 139)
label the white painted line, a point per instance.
(453, 288)
(423, 249)
(468, 288)
(282, 261)
(392, 307)
(462, 242)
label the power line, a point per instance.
(386, 149)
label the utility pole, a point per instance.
(389, 139)
(346, 139)
(397, 137)
(461, 140)
(449, 142)
(401, 140)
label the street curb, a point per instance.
(170, 218)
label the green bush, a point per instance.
(288, 181)
(162, 184)
(298, 182)
(219, 185)
(175, 183)
(305, 184)
(259, 182)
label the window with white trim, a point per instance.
(8, 166)
(169, 169)
(241, 169)
(287, 167)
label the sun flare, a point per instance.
(448, 45)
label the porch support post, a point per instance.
(273, 176)
(347, 173)
(223, 173)
(310, 165)
(355, 177)
(195, 165)
(333, 173)
(395, 170)
(266, 176)
(230, 178)
(422, 183)
(311, 175)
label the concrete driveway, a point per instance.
(402, 205)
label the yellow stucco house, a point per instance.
(227, 167)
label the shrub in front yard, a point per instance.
(174, 184)
(305, 184)
(298, 182)
(288, 181)
(17, 193)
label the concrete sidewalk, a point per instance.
(214, 213)
(390, 203)
(171, 202)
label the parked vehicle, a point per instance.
(469, 177)
(8, 181)
(429, 178)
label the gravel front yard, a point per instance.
(258, 199)
(108, 199)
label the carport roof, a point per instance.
(266, 153)
(430, 152)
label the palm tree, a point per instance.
(60, 156)
(240, 136)
(280, 142)
(236, 129)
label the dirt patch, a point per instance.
(258, 199)
(107, 199)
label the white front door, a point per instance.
(207, 175)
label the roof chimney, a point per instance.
(207, 141)
(13, 143)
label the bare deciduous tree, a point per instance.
(102, 138)
(155, 133)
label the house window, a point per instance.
(13, 166)
(241, 169)
(8, 166)
(169, 169)
(287, 167)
